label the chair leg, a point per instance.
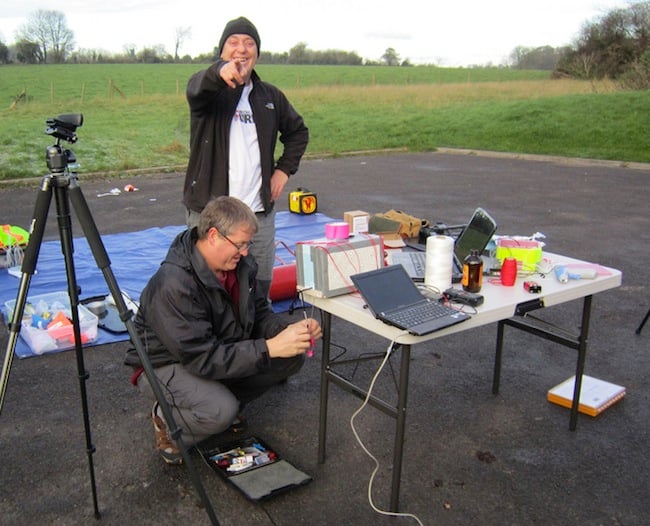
(647, 314)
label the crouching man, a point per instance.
(209, 331)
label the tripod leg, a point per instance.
(103, 262)
(65, 232)
(645, 319)
(28, 268)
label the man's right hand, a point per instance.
(232, 74)
(296, 339)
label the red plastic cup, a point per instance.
(509, 272)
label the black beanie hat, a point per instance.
(241, 26)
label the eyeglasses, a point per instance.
(239, 246)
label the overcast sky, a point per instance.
(448, 33)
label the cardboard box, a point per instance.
(325, 265)
(57, 338)
(358, 220)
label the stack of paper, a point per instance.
(595, 395)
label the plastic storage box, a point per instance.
(325, 265)
(47, 326)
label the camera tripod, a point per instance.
(62, 185)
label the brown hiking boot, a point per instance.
(166, 446)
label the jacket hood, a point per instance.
(181, 248)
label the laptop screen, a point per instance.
(477, 234)
(387, 288)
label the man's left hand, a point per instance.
(278, 181)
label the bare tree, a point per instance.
(391, 57)
(542, 57)
(153, 55)
(130, 51)
(50, 31)
(182, 33)
(299, 54)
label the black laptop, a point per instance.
(393, 298)
(477, 234)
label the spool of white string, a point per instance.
(439, 262)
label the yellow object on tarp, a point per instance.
(12, 236)
(302, 201)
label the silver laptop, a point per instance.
(393, 298)
(477, 234)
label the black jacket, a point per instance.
(212, 106)
(187, 317)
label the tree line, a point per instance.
(615, 45)
(45, 38)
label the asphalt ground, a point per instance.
(469, 457)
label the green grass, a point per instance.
(83, 82)
(609, 126)
(346, 108)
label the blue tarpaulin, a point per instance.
(135, 256)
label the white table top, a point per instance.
(499, 303)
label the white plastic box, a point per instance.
(324, 266)
(43, 340)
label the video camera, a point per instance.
(64, 126)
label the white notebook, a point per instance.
(595, 395)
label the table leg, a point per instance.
(398, 447)
(557, 335)
(496, 377)
(580, 365)
(324, 385)
(398, 412)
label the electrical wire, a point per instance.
(365, 449)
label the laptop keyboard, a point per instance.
(419, 262)
(420, 313)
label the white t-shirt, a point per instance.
(245, 170)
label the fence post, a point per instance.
(22, 95)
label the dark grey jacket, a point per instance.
(187, 317)
(212, 106)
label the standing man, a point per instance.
(235, 120)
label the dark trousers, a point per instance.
(203, 407)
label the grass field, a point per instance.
(136, 116)
(49, 83)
